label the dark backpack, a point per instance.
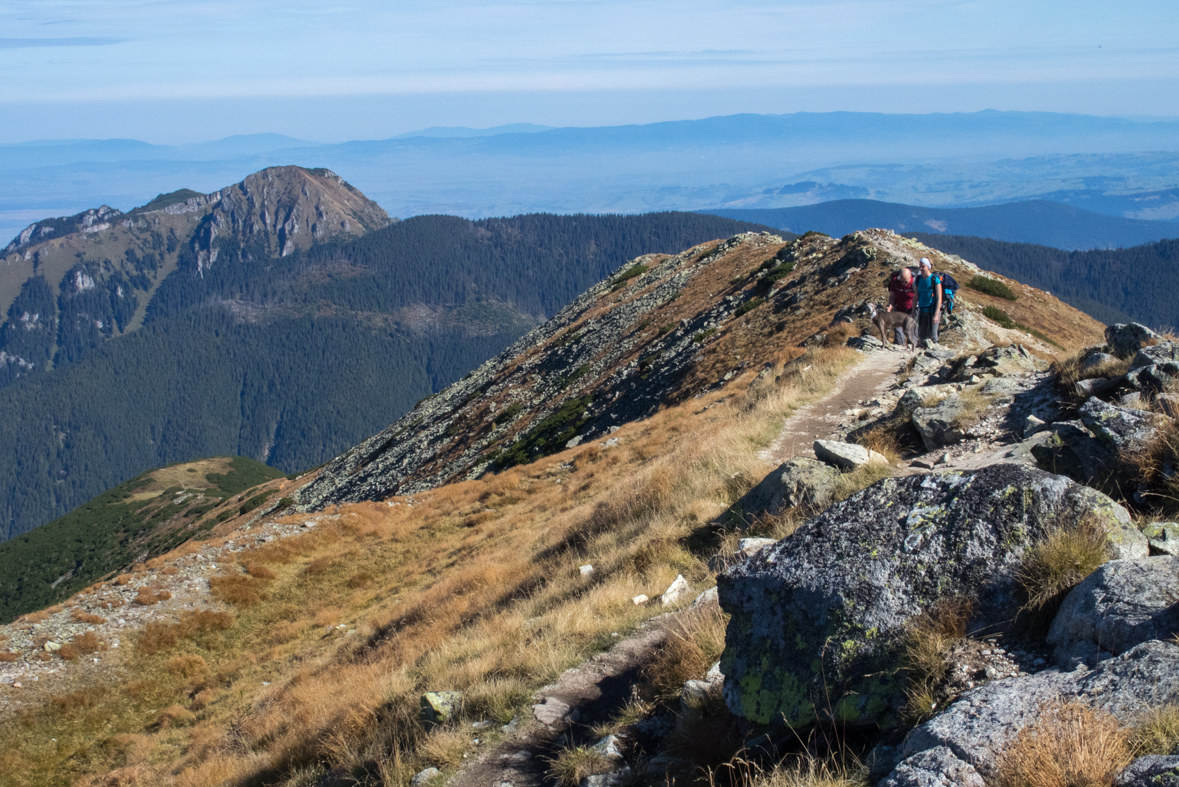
(948, 282)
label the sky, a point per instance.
(180, 71)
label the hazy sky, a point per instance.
(188, 70)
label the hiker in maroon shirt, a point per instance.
(901, 297)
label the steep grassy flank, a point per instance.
(145, 516)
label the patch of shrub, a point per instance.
(700, 336)
(627, 275)
(749, 306)
(996, 314)
(986, 284)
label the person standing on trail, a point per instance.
(901, 295)
(929, 302)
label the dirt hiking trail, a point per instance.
(817, 420)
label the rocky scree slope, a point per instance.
(823, 623)
(67, 284)
(660, 330)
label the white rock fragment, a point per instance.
(586, 570)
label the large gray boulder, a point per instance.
(936, 767)
(1163, 537)
(1124, 340)
(1152, 771)
(1004, 361)
(1095, 361)
(940, 425)
(1069, 448)
(983, 722)
(800, 482)
(817, 619)
(1122, 604)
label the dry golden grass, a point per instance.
(694, 643)
(452, 598)
(81, 616)
(573, 764)
(9, 657)
(806, 771)
(928, 638)
(859, 479)
(838, 334)
(146, 596)
(259, 571)
(1069, 745)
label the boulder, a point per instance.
(1154, 378)
(1068, 448)
(846, 456)
(439, 707)
(1098, 386)
(1121, 428)
(936, 767)
(676, 592)
(981, 724)
(866, 343)
(552, 712)
(1152, 771)
(1124, 340)
(1163, 352)
(817, 619)
(421, 777)
(1094, 361)
(1163, 537)
(915, 398)
(800, 482)
(1003, 361)
(938, 425)
(1122, 604)
(704, 599)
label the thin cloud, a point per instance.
(33, 43)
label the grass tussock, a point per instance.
(1068, 745)
(838, 334)
(448, 595)
(841, 770)
(694, 643)
(1068, 371)
(1157, 732)
(81, 616)
(1060, 561)
(1154, 463)
(926, 643)
(575, 763)
(851, 482)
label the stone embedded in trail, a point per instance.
(800, 482)
(846, 456)
(421, 777)
(1125, 340)
(817, 619)
(937, 767)
(982, 723)
(1122, 604)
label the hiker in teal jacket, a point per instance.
(929, 302)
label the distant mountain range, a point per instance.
(738, 161)
(1036, 221)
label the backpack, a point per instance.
(948, 282)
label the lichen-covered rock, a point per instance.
(1123, 429)
(800, 482)
(1163, 352)
(1095, 361)
(846, 456)
(1126, 339)
(1069, 448)
(1122, 604)
(1152, 771)
(980, 725)
(1154, 378)
(936, 767)
(940, 425)
(1004, 361)
(817, 618)
(439, 707)
(1163, 537)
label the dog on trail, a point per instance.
(887, 321)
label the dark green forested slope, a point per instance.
(52, 562)
(1112, 285)
(291, 360)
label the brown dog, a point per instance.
(886, 321)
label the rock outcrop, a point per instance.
(817, 619)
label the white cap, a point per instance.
(925, 263)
